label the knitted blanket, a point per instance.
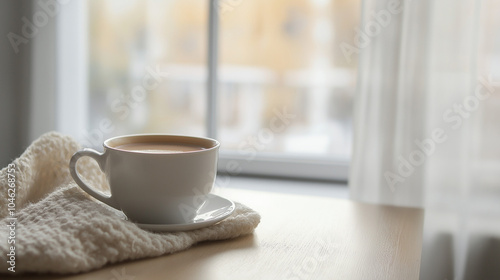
(49, 225)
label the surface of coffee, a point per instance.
(159, 147)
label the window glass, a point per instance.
(285, 85)
(147, 62)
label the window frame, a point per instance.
(264, 164)
(230, 162)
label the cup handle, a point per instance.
(76, 176)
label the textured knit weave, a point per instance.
(61, 229)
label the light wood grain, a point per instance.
(299, 237)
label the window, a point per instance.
(284, 92)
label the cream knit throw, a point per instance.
(61, 229)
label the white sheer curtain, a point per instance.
(427, 126)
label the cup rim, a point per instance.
(195, 140)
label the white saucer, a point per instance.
(214, 210)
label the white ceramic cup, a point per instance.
(154, 188)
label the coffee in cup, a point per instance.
(159, 147)
(154, 178)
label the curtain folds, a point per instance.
(427, 120)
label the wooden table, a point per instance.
(299, 237)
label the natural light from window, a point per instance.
(283, 80)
